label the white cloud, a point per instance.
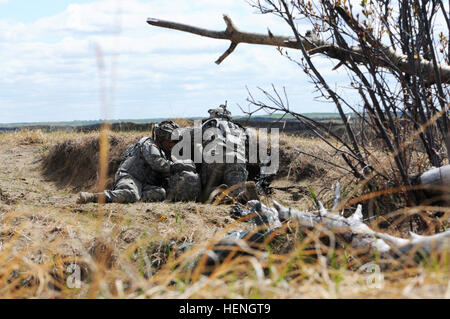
(52, 61)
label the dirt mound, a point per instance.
(297, 166)
(74, 162)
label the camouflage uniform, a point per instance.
(149, 175)
(184, 182)
(141, 174)
(231, 174)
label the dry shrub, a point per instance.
(74, 162)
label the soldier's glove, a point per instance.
(182, 165)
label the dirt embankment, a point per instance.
(74, 162)
(295, 165)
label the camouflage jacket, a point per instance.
(146, 162)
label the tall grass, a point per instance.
(136, 251)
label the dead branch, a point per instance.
(354, 231)
(313, 45)
(346, 231)
(350, 231)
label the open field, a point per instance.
(142, 249)
(270, 117)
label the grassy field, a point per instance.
(48, 242)
(314, 116)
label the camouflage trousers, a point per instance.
(129, 190)
(184, 186)
(216, 174)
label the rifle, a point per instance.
(263, 185)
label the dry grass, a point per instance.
(24, 137)
(182, 122)
(138, 250)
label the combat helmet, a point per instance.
(220, 112)
(163, 131)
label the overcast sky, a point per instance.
(49, 57)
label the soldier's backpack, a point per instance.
(134, 148)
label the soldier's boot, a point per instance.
(219, 195)
(86, 197)
(250, 193)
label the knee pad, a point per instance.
(126, 190)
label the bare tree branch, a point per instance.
(232, 33)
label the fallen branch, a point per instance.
(345, 231)
(354, 231)
(312, 44)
